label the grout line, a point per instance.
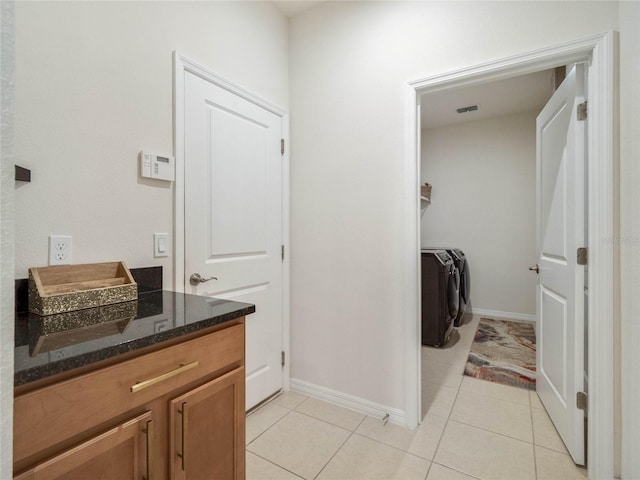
(279, 466)
(533, 436)
(492, 431)
(334, 454)
(456, 470)
(268, 428)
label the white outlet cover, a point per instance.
(59, 250)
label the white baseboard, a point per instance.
(525, 317)
(346, 400)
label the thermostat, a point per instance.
(156, 166)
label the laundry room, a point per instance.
(478, 155)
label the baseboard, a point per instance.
(524, 317)
(346, 400)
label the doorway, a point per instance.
(231, 204)
(598, 50)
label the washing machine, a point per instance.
(440, 296)
(462, 264)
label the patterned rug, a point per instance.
(504, 352)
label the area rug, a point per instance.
(504, 352)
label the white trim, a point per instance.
(523, 317)
(182, 64)
(346, 400)
(599, 51)
(412, 306)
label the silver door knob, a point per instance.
(197, 279)
(535, 269)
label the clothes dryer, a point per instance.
(440, 296)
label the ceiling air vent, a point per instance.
(470, 108)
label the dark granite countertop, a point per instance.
(46, 346)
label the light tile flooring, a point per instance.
(472, 429)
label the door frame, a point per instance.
(599, 51)
(182, 65)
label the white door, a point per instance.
(560, 230)
(233, 217)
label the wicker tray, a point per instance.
(66, 288)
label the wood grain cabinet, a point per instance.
(205, 439)
(174, 413)
(123, 451)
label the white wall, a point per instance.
(94, 87)
(483, 201)
(350, 62)
(7, 285)
(630, 234)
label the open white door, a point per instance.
(233, 217)
(560, 159)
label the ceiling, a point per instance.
(293, 7)
(525, 93)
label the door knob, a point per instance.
(197, 279)
(535, 269)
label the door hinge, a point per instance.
(282, 252)
(282, 356)
(282, 146)
(582, 256)
(581, 401)
(582, 111)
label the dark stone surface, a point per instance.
(46, 346)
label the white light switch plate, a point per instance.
(160, 245)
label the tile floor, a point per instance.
(472, 429)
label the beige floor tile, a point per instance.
(339, 416)
(438, 472)
(544, 433)
(456, 350)
(495, 390)
(260, 420)
(553, 465)
(437, 399)
(422, 441)
(260, 469)
(300, 444)
(499, 416)
(485, 455)
(364, 459)
(289, 400)
(427, 437)
(535, 399)
(442, 374)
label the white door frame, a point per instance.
(181, 65)
(599, 51)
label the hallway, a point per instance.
(473, 429)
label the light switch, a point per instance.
(160, 244)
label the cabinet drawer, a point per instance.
(50, 415)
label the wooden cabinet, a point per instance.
(123, 451)
(173, 413)
(205, 439)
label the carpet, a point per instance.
(504, 352)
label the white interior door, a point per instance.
(233, 217)
(561, 231)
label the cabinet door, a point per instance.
(120, 453)
(207, 430)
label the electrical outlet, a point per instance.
(59, 250)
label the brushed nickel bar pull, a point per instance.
(149, 432)
(183, 454)
(152, 381)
